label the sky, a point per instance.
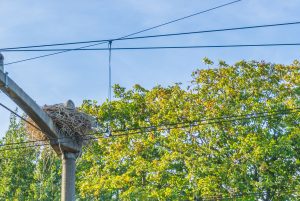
(84, 75)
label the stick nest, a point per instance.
(71, 123)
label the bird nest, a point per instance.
(70, 122)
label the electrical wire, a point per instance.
(209, 31)
(109, 71)
(186, 124)
(241, 195)
(161, 47)
(195, 125)
(259, 114)
(157, 130)
(16, 114)
(132, 34)
(24, 158)
(258, 193)
(24, 142)
(156, 36)
(23, 147)
(109, 87)
(145, 130)
(52, 54)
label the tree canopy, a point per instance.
(232, 132)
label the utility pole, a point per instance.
(1, 62)
(68, 168)
(66, 147)
(68, 176)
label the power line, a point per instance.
(204, 31)
(157, 129)
(109, 71)
(249, 115)
(16, 114)
(151, 129)
(109, 87)
(52, 54)
(182, 18)
(186, 124)
(155, 36)
(23, 159)
(24, 142)
(23, 147)
(160, 47)
(194, 123)
(260, 192)
(132, 34)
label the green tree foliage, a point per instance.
(152, 157)
(16, 167)
(30, 173)
(47, 175)
(254, 158)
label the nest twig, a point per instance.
(71, 123)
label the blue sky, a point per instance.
(84, 75)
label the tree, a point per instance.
(16, 166)
(232, 133)
(47, 175)
(248, 157)
(31, 173)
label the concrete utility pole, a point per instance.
(64, 146)
(1, 63)
(68, 168)
(68, 176)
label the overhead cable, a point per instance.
(180, 125)
(160, 47)
(16, 114)
(132, 34)
(157, 129)
(156, 36)
(188, 125)
(23, 147)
